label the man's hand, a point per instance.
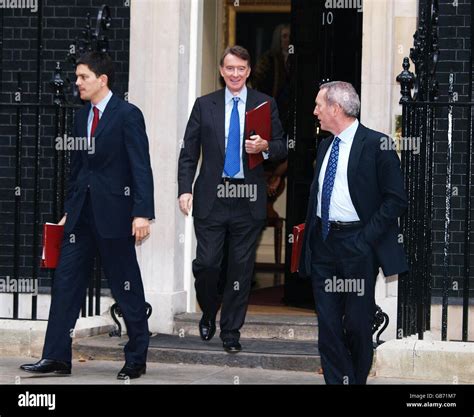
(273, 183)
(140, 228)
(62, 221)
(185, 203)
(256, 144)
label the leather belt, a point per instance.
(233, 180)
(336, 225)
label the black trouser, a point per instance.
(343, 273)
(229, 218)
(119, 260)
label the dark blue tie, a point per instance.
(232, 152)
(328, 185)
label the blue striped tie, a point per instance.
(232, 152)
(328, 185)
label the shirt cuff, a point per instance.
(265, 154)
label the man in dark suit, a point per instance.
(228, 197)
(108, 207)
(351, 230)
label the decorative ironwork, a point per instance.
(425, 52)
(57, 83)
(419, 112)
(380, 319)
(406, 79)
(116, 311)
(62, 116)
(92, 39)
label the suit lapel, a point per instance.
(323, 148)
(354, 157)
(106, 116)
(81, 121)
(81, 129)
(252, 102)
(321, 154)
(218, 116)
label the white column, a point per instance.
(162, 84)
(377, 64)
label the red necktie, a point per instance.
(95, 121)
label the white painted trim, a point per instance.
(194, 90)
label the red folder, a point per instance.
(52, 238)
(258, 121)
(298, 234)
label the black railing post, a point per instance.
(36, 182)
(447, 215)
(58, 86)
(430, 149)
(418, 131)
(467, 231)
(18, 192)
(405, 78)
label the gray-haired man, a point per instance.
(351, 230)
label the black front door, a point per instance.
(327, 44)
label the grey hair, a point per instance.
(276, 38)
(344, 94)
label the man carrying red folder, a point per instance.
(108, 208)
(216, 128)
(351, 230)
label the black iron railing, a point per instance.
(60, 118)
(435, 127)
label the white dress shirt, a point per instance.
(341, 207)
(229, 104)
(101, 106)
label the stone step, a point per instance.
(257, 353)
(258, 326)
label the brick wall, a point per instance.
(455, 48)
(63, 21)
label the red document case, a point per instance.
(258, 121)
(298, 234)
(52, 238)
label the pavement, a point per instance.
(100, 372)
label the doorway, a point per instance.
(324, 43)
(327, 44)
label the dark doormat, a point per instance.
(271, 296)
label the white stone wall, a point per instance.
(165, 72)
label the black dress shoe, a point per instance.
(131, 371)
(232, 346)
(47, 366)
(207, 329)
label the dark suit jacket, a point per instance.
(118, 173)
(206, 131)
(377, 192)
